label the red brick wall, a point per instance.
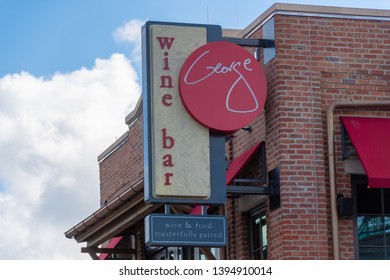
(319, 61)
(239, 248)
(125, 166)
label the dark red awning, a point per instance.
(239, 163)
(197, 210)
(371, 139)
(111, 245)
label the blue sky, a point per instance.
(46, 36)
(69, 75)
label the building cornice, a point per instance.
(314, 11)
(134, 115)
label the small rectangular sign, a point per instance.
(185, 230)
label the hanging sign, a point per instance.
(222, 86)
(185, 230)
(184, 162)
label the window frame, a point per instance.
(252, 215)
(385, 246)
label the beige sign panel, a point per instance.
(180, 146)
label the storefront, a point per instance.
(322, 136)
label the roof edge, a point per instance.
(134, 115)
(129, 120)
(113, 147)
(313, 10)
(102, 212)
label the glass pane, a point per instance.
(255, 232)
(216, 253)
(258, 235)
(265, 252)
(171, 254)
(188, 253)
(370, 230)
(180, 253)
(263, 229)
(388, 253)
(386, 193)
(256, 255)
(370, 253)
(387, 230)
(368, 200)
(264, 235)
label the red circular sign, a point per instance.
(222, 86)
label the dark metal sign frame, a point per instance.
(217, 140)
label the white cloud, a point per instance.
(52, 131)
(130, 32)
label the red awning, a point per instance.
(239, 163)
(371, 139)
(112, 244)
(197, 210)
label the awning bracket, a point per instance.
(347, 149)
(272, 190)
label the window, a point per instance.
(372, 220)
(166, 253)
(181, 253)
(199, 255)
(258, 235)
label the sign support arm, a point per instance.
(260, 43)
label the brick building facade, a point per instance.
(328, 62)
